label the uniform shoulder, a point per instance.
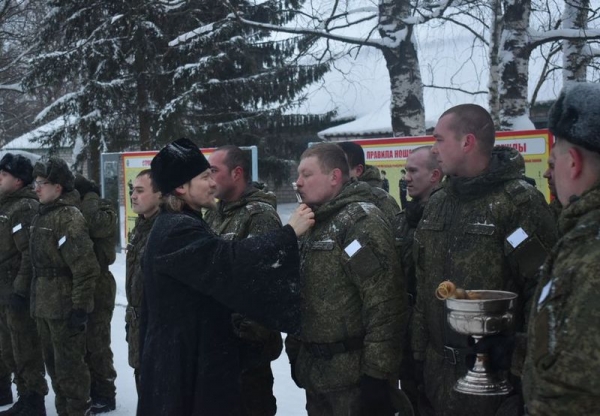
(359, 210)
(259, 207)
(521, 192)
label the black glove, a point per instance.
(249, 330)
(293, 372)
(18, 302)
(375, 399)
(499, 349)
(78, 319)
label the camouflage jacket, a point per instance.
(349, 267)
(134, 285)
(16, 212)
(465, 236)
(101, 218)
(384, 201)
(556, 208)
(62, 255)
(409, 219)
(562, 370)
(254, 213)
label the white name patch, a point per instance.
(545, 292)
(517, 237)
(17, 228)
(62, 240)
(352, 248)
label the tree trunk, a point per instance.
(514, 64)
(575, 62)
(494, 79)
(402, 62)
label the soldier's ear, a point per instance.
(575, 162)
(237, 172)
(336, 176)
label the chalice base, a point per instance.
(483, 384)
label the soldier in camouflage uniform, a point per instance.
(101, 218)
(65, 271)
(18, 206)
(562, 371)
(465, 236)
(245, 210)
(555, 205)
(354, 307)
(422, 177)
(145, 201)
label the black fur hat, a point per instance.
(575, 116)
(57, 172)
(18, 166)
(85, 185)
(177, 163)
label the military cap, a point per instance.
(18, 166)
(56, 171)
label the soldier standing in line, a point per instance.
(244, 210)
(422, 177)
(101, 218)
(18, 206)
(354, 309)
(145, 201)
(555, 205)
(403, 186)
(370, 174)
(562, 371)
(62, 293)
(485, 228)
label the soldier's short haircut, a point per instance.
(330, 157)
(476, 120)
(432, 162)
(148, 172)
(354, 153)
(234, 157)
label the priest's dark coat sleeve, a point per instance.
(258, 276)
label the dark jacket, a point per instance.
(189, 356)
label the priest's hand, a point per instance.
(302, 219)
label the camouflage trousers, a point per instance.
(440, 375)
(99, 356)
(7, 361)
(19, 337)
(132, 321)
(64, 352)
(338, 403)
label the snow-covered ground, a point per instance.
(290, 399)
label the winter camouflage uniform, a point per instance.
(409, 219)
(134, 288)
(354, 306)
(556, 208)
(19, 332)
(254, 213)
(562, 371)
(101, 218)
(65, 274)
(384, 201)
(462, 237)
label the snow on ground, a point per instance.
(290, 399)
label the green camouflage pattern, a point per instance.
(8, 366)
(64, 265)
(462, 237)
(349, 296)
(562, 369)
(17, 210)
(101, 218)
(556, 208)
(64, 353)
(254, 213)
(134, 288)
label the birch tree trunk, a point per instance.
(575, 62)
(402, 62)
(494, 77)
(514, 55)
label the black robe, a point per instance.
(189, 354)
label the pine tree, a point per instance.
(140, 75)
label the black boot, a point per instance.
(6, 396)
(102, 405)
(34, 406)
(19, 405)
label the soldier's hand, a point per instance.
(18, 302)
(375, 398)
(302, 219)
(78, 319)
(249, 330)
